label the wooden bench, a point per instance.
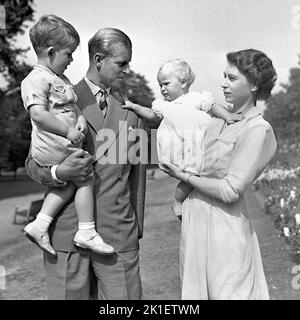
(29, 213)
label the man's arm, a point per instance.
(77, 166)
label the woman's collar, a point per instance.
(248, 110)
(252, 112)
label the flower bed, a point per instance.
(280, 183)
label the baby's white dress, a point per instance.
(180, 135)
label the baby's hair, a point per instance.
(182, 70)
(257, 67)
(52, 31)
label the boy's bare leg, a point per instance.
(37, 231)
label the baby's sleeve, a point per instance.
(158, 107)
(204, 101)
(35, 90)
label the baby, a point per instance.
(58, 129)
(182, 117)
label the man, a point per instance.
(119, 190)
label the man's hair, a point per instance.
(182, 70)
(52, 31)
(105, 40)
(257, 67)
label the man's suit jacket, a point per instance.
(119, 187)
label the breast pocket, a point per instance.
(62, 94)
(217, 157)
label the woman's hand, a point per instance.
(173, 171)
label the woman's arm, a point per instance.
(251, 155)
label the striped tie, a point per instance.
(102, 101)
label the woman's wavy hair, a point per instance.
(257, 67)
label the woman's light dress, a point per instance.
(219, 251)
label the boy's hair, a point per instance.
(182, 70)
(52, 31)
(257, 67)
(105, 40)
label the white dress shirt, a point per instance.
(96, 90)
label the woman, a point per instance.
(219, 252)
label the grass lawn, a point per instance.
(20, 187)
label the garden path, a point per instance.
(158, 253)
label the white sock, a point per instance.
(177, 203)
(87, 227)
(43, 222)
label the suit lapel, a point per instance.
(115, 116)
(89, 106)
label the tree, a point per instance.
(283, 108)
(13, 69)
(17, 13)
(136, 88)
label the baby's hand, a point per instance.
(75, 136)
(82, 127)
(234, 117)
(128, 104)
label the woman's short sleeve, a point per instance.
(35, 90)
(253, 151)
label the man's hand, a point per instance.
(78, 166)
